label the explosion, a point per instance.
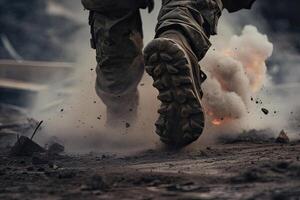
(235, 72)
(217, 122)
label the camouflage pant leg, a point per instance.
(195, 19)
(118, 40)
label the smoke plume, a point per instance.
(236, 72)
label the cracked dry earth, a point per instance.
(224, 171)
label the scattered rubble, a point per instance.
(233, 170)
(283, 138)
(56, 148)
(25, 147)
(252, 136)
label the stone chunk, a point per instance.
(25, 147)
(56, 148)
(283, 138)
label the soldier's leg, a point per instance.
(118, 40)
(182, 39)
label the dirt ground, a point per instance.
(235, 170)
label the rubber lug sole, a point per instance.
(181, 119)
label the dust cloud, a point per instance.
(239, 94)
(236, 71)
(237, 79)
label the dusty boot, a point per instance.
(121, 111)
(178, 77)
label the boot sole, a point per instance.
(181, 119)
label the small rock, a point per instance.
(127, 125)
(56, 148)
(282, 138)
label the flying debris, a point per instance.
(265, 111)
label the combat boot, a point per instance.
(178, 77)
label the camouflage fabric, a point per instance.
(118, 42)
(197, 20)
(118, 39)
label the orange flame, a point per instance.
(217, 122)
